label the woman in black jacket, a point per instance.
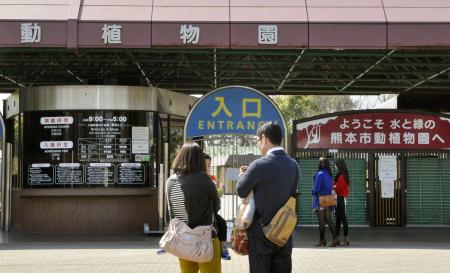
(194, 200)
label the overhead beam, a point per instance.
(366, 71)
(3, 76)
(288, 74)
(215, 68)
(68, 71)
(426, 80)
(136, 63)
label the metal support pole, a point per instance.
(166, 161)
(161, 197)
(403, 189)
(7, 192)
(372, 208)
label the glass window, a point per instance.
(79, 149)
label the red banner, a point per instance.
(375, 130)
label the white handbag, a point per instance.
(194, 245)
(190, 244)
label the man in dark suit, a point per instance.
(273, 179)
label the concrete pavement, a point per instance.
(371, 250)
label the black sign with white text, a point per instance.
(87, 148)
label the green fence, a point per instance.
(356, 202)
(428, 195)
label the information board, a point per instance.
(69, 173)
(131, 173)
(100, 173)
(387, 174)
(80, 148)
(40, 174)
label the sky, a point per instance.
(2, 97)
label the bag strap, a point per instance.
(295, 186)
(168, 205)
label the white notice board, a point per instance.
(387, 173)
(139, 138)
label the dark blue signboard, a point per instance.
(231, 110)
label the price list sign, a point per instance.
(98, 149)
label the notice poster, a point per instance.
(387, 189)
(69, 173)
(100, 173)
(131, 173)
(387, 174)
(140, 137)
(40, 174)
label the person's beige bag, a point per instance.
(190, 244)
(280, 229)
(283, 224)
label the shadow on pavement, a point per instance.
(304, 237)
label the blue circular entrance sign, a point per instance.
(231, 110)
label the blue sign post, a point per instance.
(231, 110)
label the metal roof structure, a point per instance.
(322, 46)
(282, 71)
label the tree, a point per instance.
(298, 107)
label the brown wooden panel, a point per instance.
(88, 214)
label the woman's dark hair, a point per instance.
(324, 164)
(207, 157)
(189, 159)
(342, 170)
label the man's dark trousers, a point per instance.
(265, 257)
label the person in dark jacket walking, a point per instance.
(273, 179)
(323, 185)
(194, 200)
(341, 187)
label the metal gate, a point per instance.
(428, 189)
(357, 207)
(389, 210)
(228, 153)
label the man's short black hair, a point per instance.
(271, 131)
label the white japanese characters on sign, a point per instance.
(189, 34)
(30, 33)
(56, 145)
(112, 34)
(394, 137)
(267, 34)
(56, 120)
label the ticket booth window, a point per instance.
(88, 149)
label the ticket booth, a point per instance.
(88, 159)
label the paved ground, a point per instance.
(371, 250)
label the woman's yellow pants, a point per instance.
(213, 266)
